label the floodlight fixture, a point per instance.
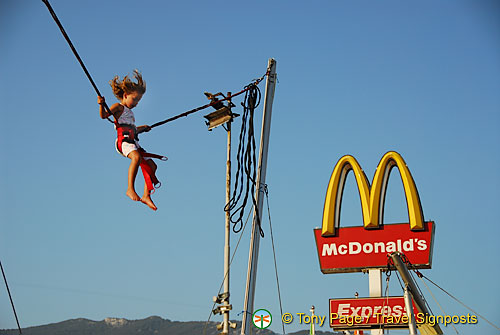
(218, 117)
(222, 113)
(221, 297)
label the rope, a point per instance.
(389, 264)
(54, 16)
(266, 191)
(412, 267)
(197, 109)
(386, 293)
(10, 297)
(421, 294)
(399, 280)
(439, 305)
(246, 163)
(61, 28)
(225, 275)
(457, 300)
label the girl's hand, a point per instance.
(100, 100)
(142, 129)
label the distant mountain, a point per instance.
(154, 325)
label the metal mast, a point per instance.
(411, 287)
(409, 308)
(261, 180)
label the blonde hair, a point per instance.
(126, 85)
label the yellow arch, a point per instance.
(372, 197)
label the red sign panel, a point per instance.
(356, 248)
(366, 313)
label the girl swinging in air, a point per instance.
(129, 93)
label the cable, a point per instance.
(226, 274)
(266, 191)
(412, 267)
(457, 300)
(197, 109)
(439, 305)
(421, 293)
(10, 297)
(386, 293)
(54, 16)
(247, 164)
(399, 281)
(61, 28)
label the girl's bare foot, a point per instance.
(132, 195)
(148, 201)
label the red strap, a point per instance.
(148, 154)
(149, 176)
(148, 173)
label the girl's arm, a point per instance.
(142, 129)
(102, 111)
(116, 109)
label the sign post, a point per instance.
(411, 316)
(365, 248)
(375, 286)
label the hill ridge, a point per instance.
(152, 325)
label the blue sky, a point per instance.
(355, 77)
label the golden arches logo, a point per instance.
(372, 197)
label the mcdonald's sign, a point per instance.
(351, 249)
(368, 313)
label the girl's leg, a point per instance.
(146, 198)
(135, 158)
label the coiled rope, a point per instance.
(247, 164)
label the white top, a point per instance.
(127, 117)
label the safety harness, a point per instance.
(128, 133)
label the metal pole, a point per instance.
(425, 328)
(356, 332)
(408, 280)
(409, 312)
(375, 286)
(261, 180)
(313, 329)
(225, 316)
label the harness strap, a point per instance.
(160, 157)
(128, 133)
(149, 176)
